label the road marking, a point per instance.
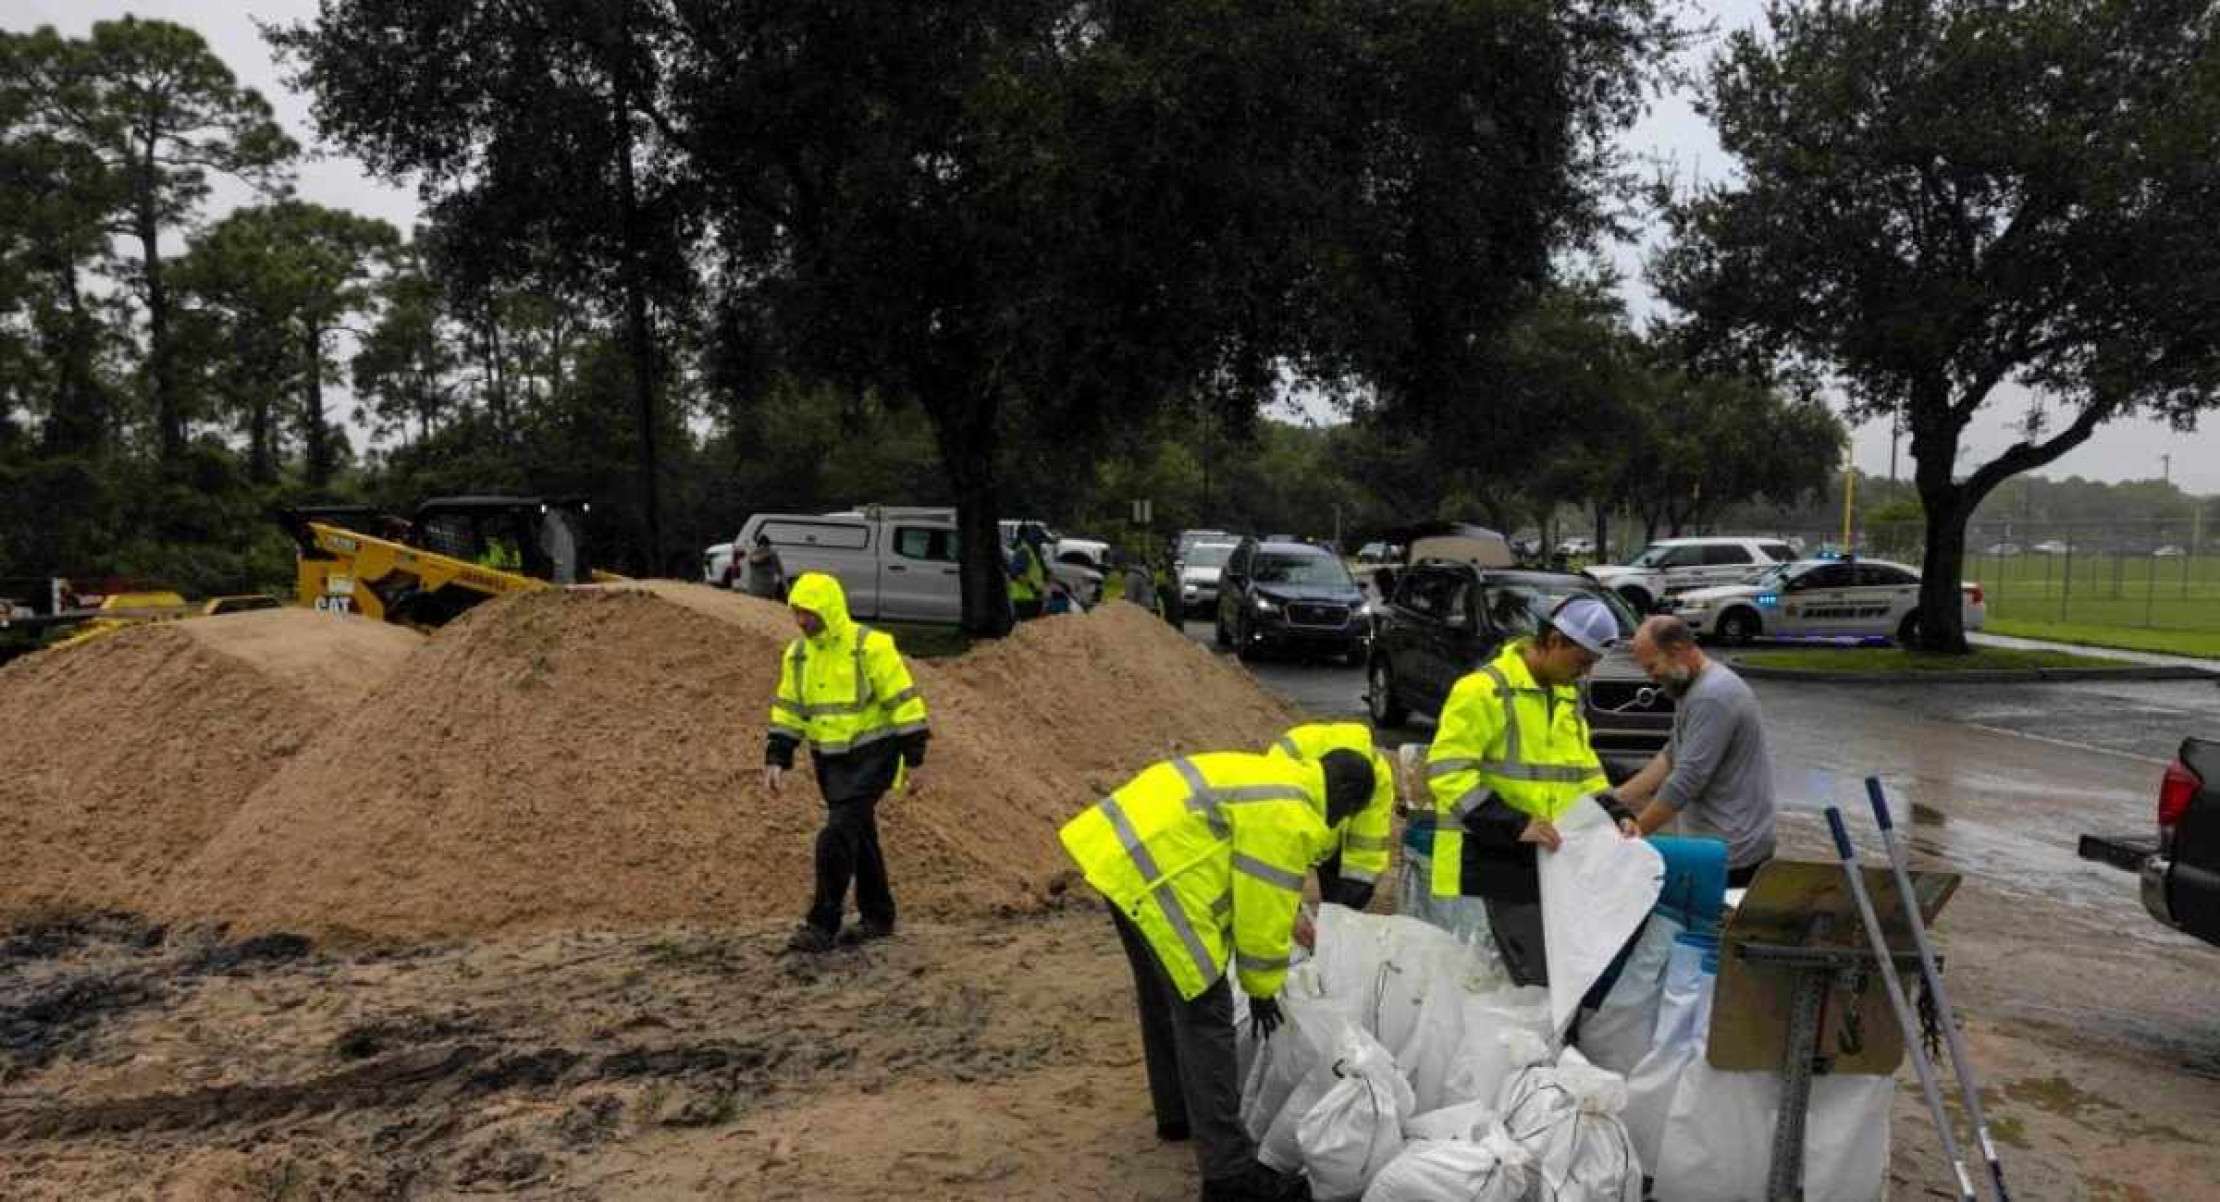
(2056, 742)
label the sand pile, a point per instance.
(120, 756)
(591, 758)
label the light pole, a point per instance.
(2166, 468)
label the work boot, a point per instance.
(866, 931)
(1256, 1183)
(807, 938)
(1173, 1133)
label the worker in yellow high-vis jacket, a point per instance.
(1348, 876)
(845, 691)
(1510, 757)
(1202, 860)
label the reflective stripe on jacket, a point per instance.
(1206, 855)
(1363, 839)
(845, 687)
(1507, 750)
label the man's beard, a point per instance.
(1677, 682)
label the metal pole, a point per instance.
(1856, 877)
(1959, 1061)
(2066, 579)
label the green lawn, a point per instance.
(2129, 638)
(2123, 592)
(1859, 661)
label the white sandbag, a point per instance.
(1490, 1053)
(1297, 1059)
(1596, 888)
(1619, 1031)
(1683, 1019)
(1466, 1120)
(1491, 1168)
(1718, 1143)
(1475, 1008)
(1357, 1127)
(1567, 1117)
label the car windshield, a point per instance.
(1775, 577)
(1302, 569)
(1514, 604)
(1652, 556)
(1208, 555)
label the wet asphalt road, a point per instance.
(2000, 780)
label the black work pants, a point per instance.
(848, 849)
(1194, 1073)
(1740, 878)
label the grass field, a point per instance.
(2102, 593)
(2204, 643)
(1860, 661)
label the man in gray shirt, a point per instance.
(1715, 775)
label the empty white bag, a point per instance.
(1596, 888)
(1618, 1032)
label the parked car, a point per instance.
(1374, 553)
(2001, 550)
(1577, 546)
(1199, 569)
(2180, 869)
(2051, 546)
(1445, 619)
(1817, 597)
(1086, 552)
(2169, 551)
(1675, 565)
(1188, 538)
(894, 564)
(716, 565)
(1287, 594)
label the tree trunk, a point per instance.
(261, 458)
(314, 428)
(169, 414)
(1935, 432)
(639, 337)
(966, 434)
(78, 423)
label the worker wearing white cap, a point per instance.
(1511, 757)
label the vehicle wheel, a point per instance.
(1638, 599)
(1738, 626)
(1907, 632)
(1380, 697)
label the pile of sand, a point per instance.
(592, 758)
(120, 756)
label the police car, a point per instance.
(1817, 598)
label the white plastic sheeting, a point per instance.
(1596, 889)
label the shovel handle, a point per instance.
(1841, 833)
(1880, 801)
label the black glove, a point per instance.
(1354, 894)
(1264, 1016)
(1611, 804)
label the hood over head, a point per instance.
(821, 594)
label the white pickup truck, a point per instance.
(895, 564)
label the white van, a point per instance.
(895, 564)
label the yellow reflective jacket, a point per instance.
(1030, 581)
(1206, 855)
(1363, 839)
(846, 692)
(1507, 751)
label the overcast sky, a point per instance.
(1672, 133)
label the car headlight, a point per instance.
(1688, 605)
(1266, 605)
(1187, 589)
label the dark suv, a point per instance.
(1290, 594)
(1443, 620)
(2180, 869)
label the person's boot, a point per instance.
(866, 931)
(811, 939)
(1173, 1133)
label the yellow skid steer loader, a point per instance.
(454, 553)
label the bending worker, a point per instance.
(1510, 757)
(1202, 861)
(1348, 876)
(1028, 573)
(1715, 774)
(844, 689)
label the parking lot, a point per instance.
(2097, 1032)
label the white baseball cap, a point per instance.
(1586, 621)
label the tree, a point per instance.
(407, 363)
(1940, 198)
(158, 112)
(531, 125)
(308, 268)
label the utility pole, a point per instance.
(2166, 468)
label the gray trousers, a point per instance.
(1194, 1078)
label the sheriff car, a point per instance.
(1817, 598)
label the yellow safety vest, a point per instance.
(1206, 855)
(1504, 736)
(1363, 839)
(847, 686)
(1031, 581)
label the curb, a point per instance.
(1979, 675)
